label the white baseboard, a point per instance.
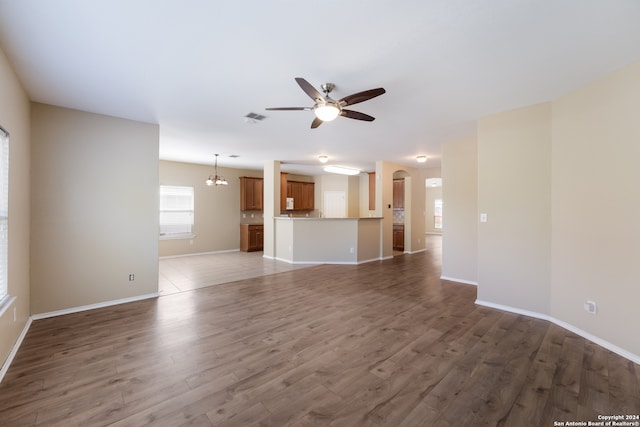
(93, 306)
(14, 349)
(453, 279)
(603, 343)
(288, 261)
(416, 252)
(200, 253)
(364, 261)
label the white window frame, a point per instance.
(176, 212)
(437, 214)
(5, 298)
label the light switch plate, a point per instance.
(483, 217)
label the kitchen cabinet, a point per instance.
(251, 237)
(398, 237)
(251, 193)
(398, 194)
(372, 191)
(283, 191)
(303, 194)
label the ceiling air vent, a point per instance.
(253, 118)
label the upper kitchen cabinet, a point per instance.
(251, 193)
(398, 194)
(302, 194)
(372, 191)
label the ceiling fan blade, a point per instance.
(309, 90)
(361, 96)
(289, 108)
(316, 122)
(356, 115)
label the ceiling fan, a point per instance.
(326, 109)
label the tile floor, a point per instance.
(198, 271)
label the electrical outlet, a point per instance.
(132, 277)
(590, 307)
(352, 250)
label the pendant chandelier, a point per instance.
(216, 179)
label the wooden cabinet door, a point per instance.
(258, 194)
(296, 192)
(308, 196)
(372, 191)
(283, 191)
(259, 238)
(251, 237)
(398, 193)
(251, 193)
(398, 237)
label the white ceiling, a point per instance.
(197, 67)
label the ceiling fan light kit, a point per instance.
(327, 109)
(421, 159)
(326, 112)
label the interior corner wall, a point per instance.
(94, 208)
(596, 207)
(459, 211)
(514, 190)
(15, 119)
(217, 215)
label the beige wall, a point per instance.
(94, 208)
(418, 213)
(596, 207)
(15, 118)
(559, 182)
(460, 208)
(217, 215)
(514, 190)
(414, 205)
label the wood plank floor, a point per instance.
(380, 344)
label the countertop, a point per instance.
(324, 219)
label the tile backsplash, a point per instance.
(252, 217)
(398, 216)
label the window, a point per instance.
(176, 212)
(437, 214)
(4, 215)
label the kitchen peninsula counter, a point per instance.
(311, 240)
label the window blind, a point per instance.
(176, 211)
(4, 213)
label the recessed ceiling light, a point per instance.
(323, 159)
(421, 159)
(341, 170)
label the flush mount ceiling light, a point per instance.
(323, 159)
(341, 170)
(421, 159)
(216, 179)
